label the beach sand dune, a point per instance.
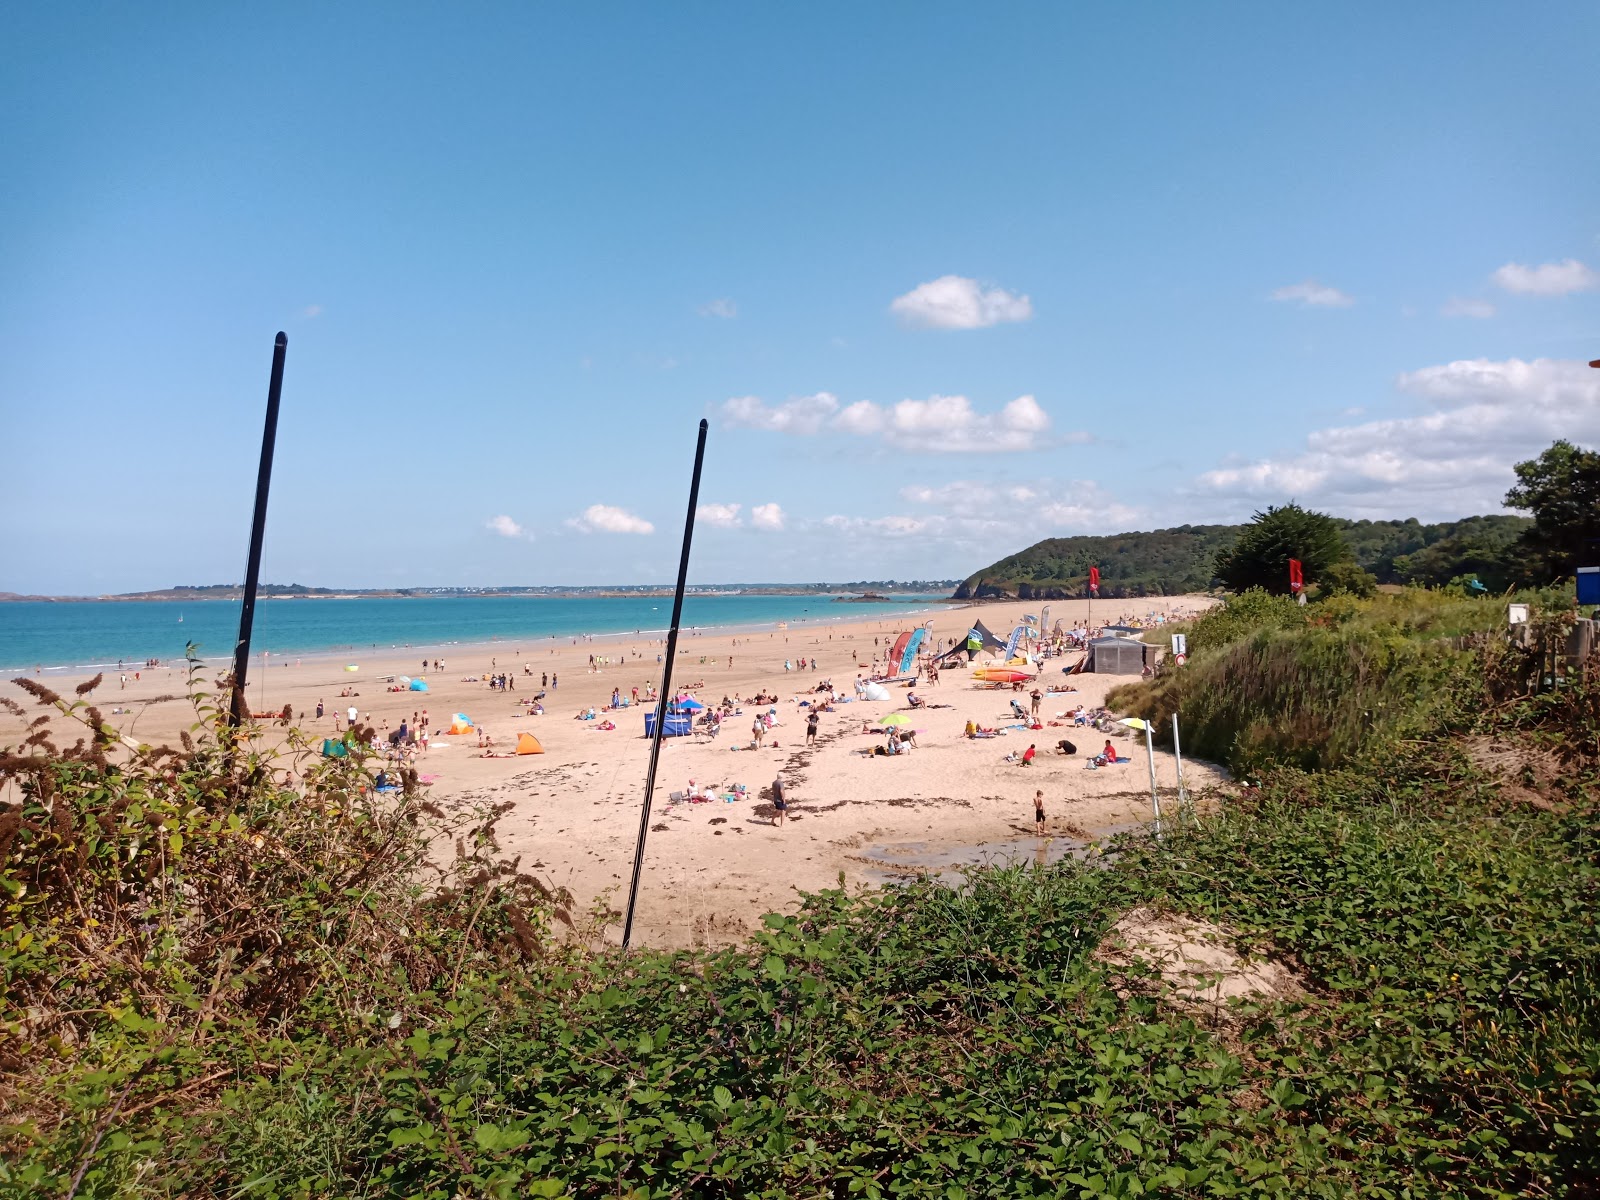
(712, 869)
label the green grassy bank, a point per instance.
(1342, 682)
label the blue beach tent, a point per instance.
(676, 725)
(419, 685)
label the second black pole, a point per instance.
(238, 708)
(664, 700)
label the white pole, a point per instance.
(1177, 753)
(1150, 756)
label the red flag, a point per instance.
(1094, 581)
(1297, 579)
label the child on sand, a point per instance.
(1038, 812)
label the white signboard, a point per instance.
(1516, 614)
(1180, 643)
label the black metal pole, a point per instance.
(258, 530)
(664, 700)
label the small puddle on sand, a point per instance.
(893, 861)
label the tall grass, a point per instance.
(1271, 682)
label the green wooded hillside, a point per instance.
(1172, 561)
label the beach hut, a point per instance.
(460, 723)
(528, 744)
(1117, 656)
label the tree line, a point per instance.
(1560, 490)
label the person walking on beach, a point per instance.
(553, 683)
(757, 730)
(1037, 696)
(813, 718)
(1038, 813)
(779, 804)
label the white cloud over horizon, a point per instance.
(606, 518)
(937, 425)
(768, 517)
(1311, 294)
(1451, 460)
(1056, 505)
(504, 526)
(723, 308)
(1546, 279)
(979, 520)
(957, 302)
(803, 415)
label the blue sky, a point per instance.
(945, 279)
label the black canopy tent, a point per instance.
(979, 633)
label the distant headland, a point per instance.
(856, 592)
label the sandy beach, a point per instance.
(713, 868)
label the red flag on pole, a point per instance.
(1297, 579)
(1094, 581)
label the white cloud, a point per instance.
(1048, 507)
(1451, 460)
(799, 414)
(956, 302)
(1311, 294)
(723, 307)
(893, 526)
(504, 526)
(1547, 279)
(939, 424)
(1466, 306)
(719, 516)
(767, 516)
(949, 424)
(604, 518)
(968, 519)
(311, 312)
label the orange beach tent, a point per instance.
(460, 723)
(528, 744)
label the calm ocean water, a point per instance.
(99, 633)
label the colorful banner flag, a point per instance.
(1297, 578)
(1094, 581)
(908, 655)
(1014, 641)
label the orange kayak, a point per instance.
(1001, 675)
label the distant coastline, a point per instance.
(853, 592)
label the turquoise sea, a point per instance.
(102, 633)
